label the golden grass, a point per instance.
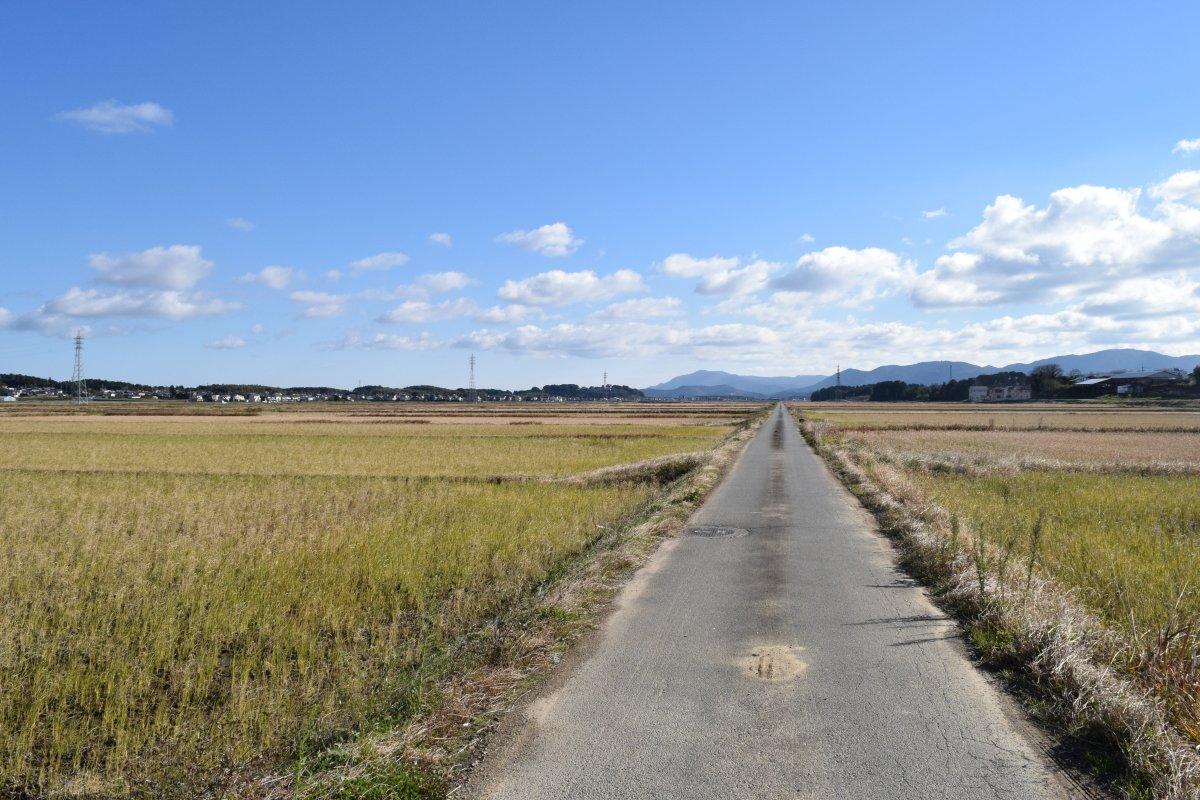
(257, 446)
(1106, 449)
(1129, 546)
(182, 607)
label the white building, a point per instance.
(977, 394)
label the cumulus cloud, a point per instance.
(625, 339)
(719, 275)
(553, 240)
(1084, 239)
(240, 224)
(421, 311)
(512, 313)
(682, 265)
(443, 239)
(379, 262)
(179, 266)
(273, 277)
(807, 238)
(1182, 187)
(230, 342)
(320, 305)
(640, 308)
(1187, 146)
(559, 288)
(76, 302)
(437, 282)
(109, 116)
(847, 276)
(934, 213)
(389, 341)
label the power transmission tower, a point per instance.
(81, 390)
(605, 384)
(838, 391)
(471, 382)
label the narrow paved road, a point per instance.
(790, 660)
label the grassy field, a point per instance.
(184, 602)
(1103, 501)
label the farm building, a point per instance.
(1133, 382)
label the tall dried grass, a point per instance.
(162, 634)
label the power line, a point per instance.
(81, 390)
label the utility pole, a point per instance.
(81, 390)
(471, 381)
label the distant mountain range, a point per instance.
(710, 383)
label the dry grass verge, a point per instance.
(1087, 676)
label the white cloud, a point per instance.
(847, 276)
(513, 313)
(935, 213)
(179, 266)
(229, 342)
(273, 277)
(807, 238)
(77, 303)
(559, 288)
(1182, 187)
(240, 224)
(334, 274)
(166, 304)
(682, 265)
(1085, 238)
(1081, 226)
(1186, 146)
(444, 239)
(719, 275)
(421, 311)
(320, 305)
(640, 308)
(6, 317)
(379, 262)
(627, 339)
(109, 116)
(389, 341)
(751, 278)
(437, 282)
(553, 240)
(256, 328)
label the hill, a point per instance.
(709, 383)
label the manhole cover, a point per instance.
(714, 531)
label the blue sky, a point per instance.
(247, 192)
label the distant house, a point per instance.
(7, 398)
(1009, 393)
(1012, 392)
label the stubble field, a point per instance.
(186, 601)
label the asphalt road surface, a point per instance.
(788, 660)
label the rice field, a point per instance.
(1130, 450)
(188, 602)
(1022, 416)
(1106, 502)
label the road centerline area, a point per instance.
(793, 661)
